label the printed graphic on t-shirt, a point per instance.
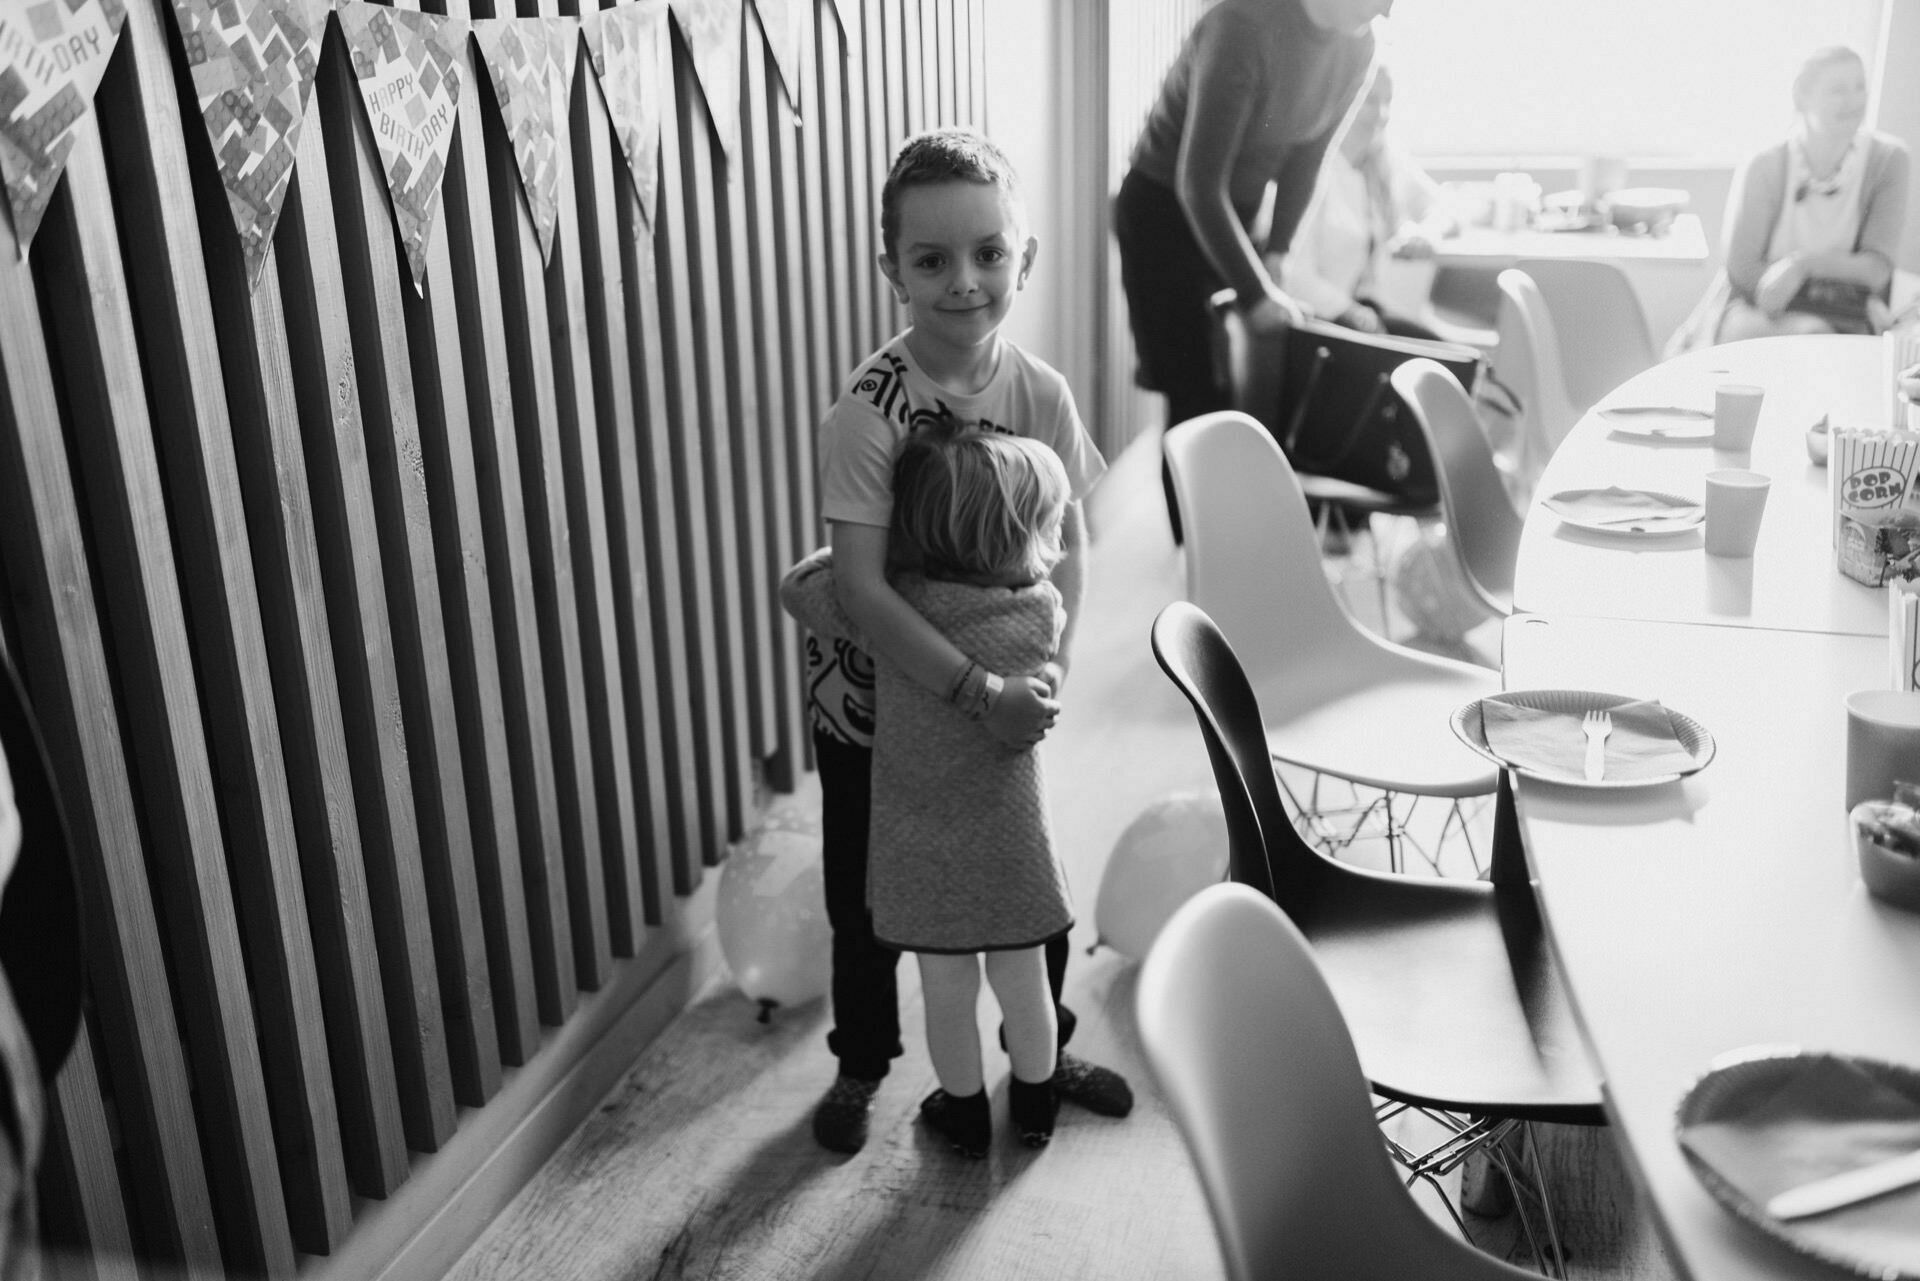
(840, 689)
(883, 384)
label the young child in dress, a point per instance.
(957, 253)
(960, 856)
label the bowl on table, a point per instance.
(1889, 869)
(1645, 209)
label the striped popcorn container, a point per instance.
(1876, 506)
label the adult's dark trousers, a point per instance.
(866, 996)
(1170, 283)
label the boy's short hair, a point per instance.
(973, 505)
(941, 155)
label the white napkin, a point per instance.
(1641, 744)
(1627, 508)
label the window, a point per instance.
(1692, 80)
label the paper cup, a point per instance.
(1736, 412)
(1883, 743)
(1735, 500)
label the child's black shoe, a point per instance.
(1033, 1106)
(965, 1122)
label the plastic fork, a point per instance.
(1596, 725)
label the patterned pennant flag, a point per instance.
(253, 64)
(408, 66)
(712, 28)
(785, 24)
(52, 54)
(628, 46)
(530, 61)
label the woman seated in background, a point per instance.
(1372, 202)
(1814, 222)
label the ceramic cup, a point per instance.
(1883, 743)
(1735, 500)
(1736, 412)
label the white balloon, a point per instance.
(1174, 849)
(771, 915)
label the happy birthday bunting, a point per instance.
(712, 28)
(253, 63)
(52, 55)
(627, 46)
(784, 23)
(530, 61)
(408, 67)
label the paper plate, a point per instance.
(1746, 1079)
(1467, 725)
(1658, 422)
(1675, 523)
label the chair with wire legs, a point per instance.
(1247, 1042)
(1447, 986)
(1341, 702)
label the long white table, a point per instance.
(1722, 911)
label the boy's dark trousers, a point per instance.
(866, 999)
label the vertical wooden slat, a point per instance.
(741, 429)
(977, 64)
(780, 371)
(477, 304)
(831, 257)
(313, 302)
(660, 553)
(578, 438)
(600, 171)
(383, 369)
(951, 67)
(911, 67)
(82, 1214)
(530, 354)
(63, 662)
(459, 548)
(880, 120)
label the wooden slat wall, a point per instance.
(404, 659)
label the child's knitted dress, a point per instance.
(960, 852)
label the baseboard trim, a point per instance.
(451, 1196)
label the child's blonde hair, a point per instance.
(973, 505)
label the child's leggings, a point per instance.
(951, 987)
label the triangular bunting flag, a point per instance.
(253, 63)
(409, 68)
(848, 11)
(628, 47)
(52, 55)
(785, 24)
(530, 61)
(712, 28)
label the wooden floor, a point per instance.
(700, 1164)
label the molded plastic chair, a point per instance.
(1245, 1041)
(1447, 986)
(1482, 527)
(1339, 700)
(1528, 361)
(1604, 338)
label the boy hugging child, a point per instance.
(951, 473)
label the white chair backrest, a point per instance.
(1528, 361)
(1482, 525)
(1252, 554)
(1604, 339)
(1250, 1050)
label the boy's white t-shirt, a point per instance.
(888, 397)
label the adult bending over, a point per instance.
(1221, 174)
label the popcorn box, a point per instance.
(1874, 480)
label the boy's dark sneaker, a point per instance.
(966, 1123)
(1100, 1090)
(840, 1121)
(1033, 1105)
